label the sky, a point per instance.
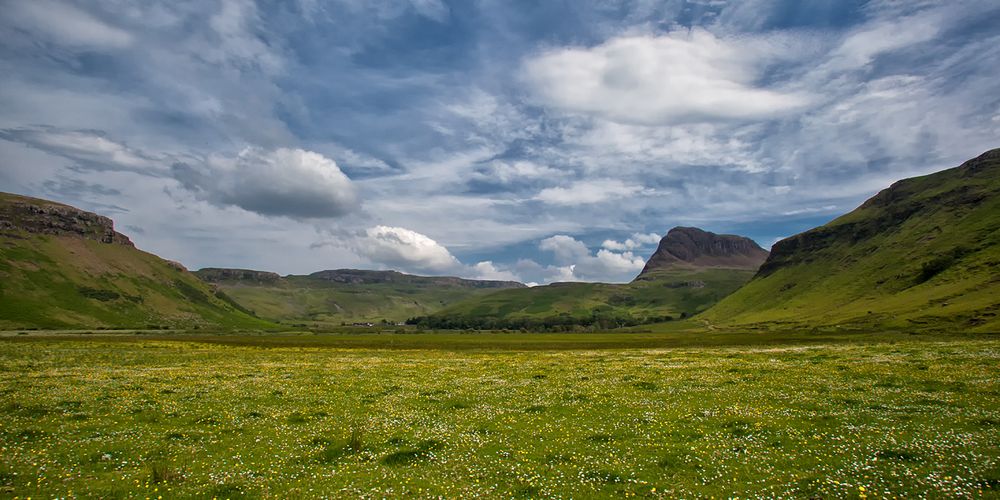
(536, 141)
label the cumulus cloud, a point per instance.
(487, 270)
(566, 249)
(405, 249)
(408, 250)
(283, 182)
(638, 240)
(682, 76)
(587, 192)
(576, 262)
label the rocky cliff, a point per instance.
(358, 276)
(219, 275)
(693, 248)
(21, 213)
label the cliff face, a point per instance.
(21, 213)
(690, 247)
(359, 276)
(219, 275)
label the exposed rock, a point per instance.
(218, 275)
(358, 276)
(693, 248)
(21, 213)
(176, 265)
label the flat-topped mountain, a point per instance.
(34, 215)
(222, 275)
(922, 252)
(66, 268)
(360, 276)
(332, 297)
(693, 248)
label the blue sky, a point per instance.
(537, 141)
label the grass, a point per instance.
(59, 282)
(204, 416)
(308, 301)
(668, 293)
(925, 251)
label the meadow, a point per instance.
(140, 416)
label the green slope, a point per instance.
(924, 253)
(329, 298)
(658, 296)
(57, 273)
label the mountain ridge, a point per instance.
(922, 253)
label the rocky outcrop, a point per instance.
(220, 275)
(359, 277)
(21, 213)
(693, 248)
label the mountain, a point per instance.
(329, 298)
(62, 267)
(691, 270)
(923, 253)
(693, 248)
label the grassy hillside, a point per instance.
(923, 253)
(63, 279)
(330, 298)
(665, 294)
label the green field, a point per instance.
(658, 296)
(307, 301)
(503, 415)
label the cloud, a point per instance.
(487, 270)
(92, 149)
(283, 182)
(238, 38)
(405, 249)
(433, 9)
(507, 172)
(65, 25)
(576, 262)
(682, 76)
(637, 240)
(587, 192)
(567, 250)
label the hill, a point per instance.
(329, 298)
(690, 270)
(62, 267)
(923, 253)
(693, 248)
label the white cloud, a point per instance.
(238, 41)
(566, 249)
(587, 191)
(506, 172)
(96, 149)
(285, 182)
(576, 262)
(862, 46)
(682, 76)
(65, 24)
(405, 249)
(637, 240)
(487, 270)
